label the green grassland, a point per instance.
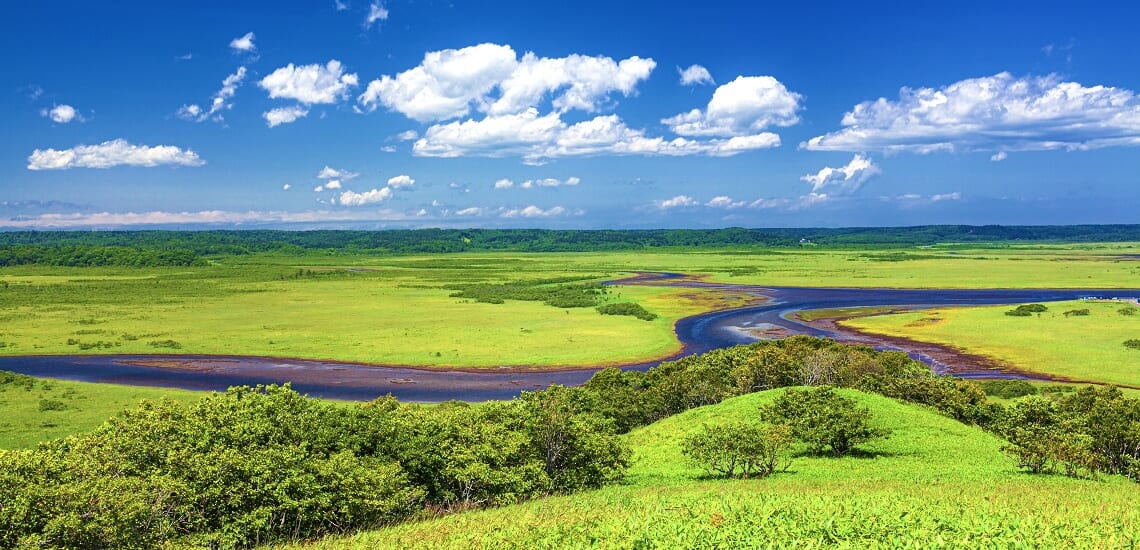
(38, 410)
(932, 483)
(399, 309)
(1087, 348)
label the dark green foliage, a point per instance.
(1079, 434)
(1132, 343)
(1008, 389)
(1026, 310)
(740, 450)
(627, 308)
(168, 344)
(1127, 311)
(823, 419)
(52, 405)
(93, 255)
(255, 465)
(1076, 313)
(557, 295)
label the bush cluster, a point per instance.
(253, 465)
(1025, 310)
(557, 295)
(627, 308)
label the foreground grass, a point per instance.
(37, 410)
(933, 483)
(1089, 348)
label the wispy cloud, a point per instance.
(284, 115)
(376, 13)
(243, 44)
(220, 102)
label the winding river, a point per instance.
(697, 334)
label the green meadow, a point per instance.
(1081, 347)
(933, 483)
(37, 410)
(401, 310)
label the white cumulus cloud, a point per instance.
(742, 107)
(470, 211)
(243, 43)
(286, 187)
(695, 74)
(993, 113)
(310, 84)
(62, 114)
(284, 115)
(999, 156)
(349, 198)
(332, 184)
(844, 179)
(328, 173)
(450, 83)
(110, 154)
(677, 202)
(724, 202)
(402, 180)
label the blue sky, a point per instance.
(368, 114)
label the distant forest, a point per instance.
(181, 248)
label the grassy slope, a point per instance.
(1084, 348)
(933, 482)
(23, 424)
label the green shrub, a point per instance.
(1127, 311)
(740, 450)
(52, 405)
(1008, 389)
(1076, 313)
(1025, 310)
(627, 308)
(1133, 343)
(169, 344)
(823, 419)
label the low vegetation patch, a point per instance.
(1008, 389)
(1132, 343)
(1026, 310)
(1076, 313)
(557, 295)
(627, 308)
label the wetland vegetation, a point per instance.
(890, 454)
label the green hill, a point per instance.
(933, 482)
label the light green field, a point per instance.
(933, 483)
(1088, 348)
(394, 310)
(40, 410)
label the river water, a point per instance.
(359, 382)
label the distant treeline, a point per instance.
(92, 255)
(413, 241)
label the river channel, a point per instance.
(700, 333)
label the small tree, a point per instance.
(740, 450)
(823, 419)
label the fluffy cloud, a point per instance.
(109, 154)
(243, 43)
(742, 107)
(328, 173)
(533, 211)
(62, 114)
(444, 84)
(510, 94)
(448, 83)
(991, 113)
(999, 156)
(537, 137)
(845, 179)
(376, 12)
(407, 135)
(286, 187)
(677, 202)
(349, 198)
(695, 74)
(284, 115)
(471, 211)
(397, 182)
(724, 202)
(310, 84)
(504, 184)
(221, 100)
(333, 184)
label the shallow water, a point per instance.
(359, 382)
